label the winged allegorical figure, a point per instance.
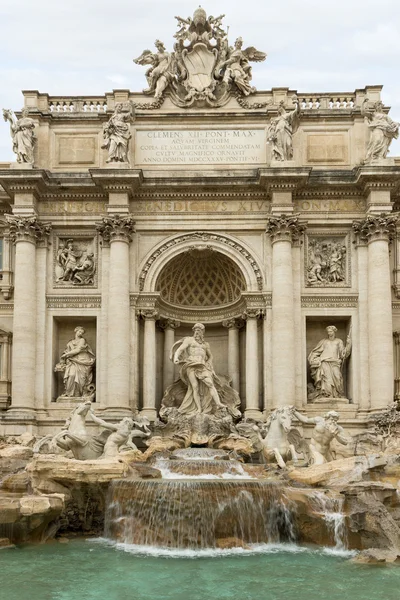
(236, 68)
(162, 70)
(202, 66)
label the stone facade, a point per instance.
(144, 213)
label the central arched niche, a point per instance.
(201, 284)
(201, 278)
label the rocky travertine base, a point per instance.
(377, 556)
(30, 518)
(49, 495)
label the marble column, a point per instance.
(168, 326)
(149, 364)
(233, 326)
(377, 230)
(252, 364)
(283, 230)
(117, 230)
(25, 232)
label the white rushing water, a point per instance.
(332, 511)
(234, 470)
(252, 549)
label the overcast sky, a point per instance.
(84, 47)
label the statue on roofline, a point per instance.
(22, 134)
(202, 68)
(383, 130)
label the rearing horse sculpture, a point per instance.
(75, 436)
(277, 443)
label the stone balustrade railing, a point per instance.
(309, 103)
(327, 101)
(58, 104)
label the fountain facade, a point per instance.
(222, 257)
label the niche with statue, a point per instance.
(74, 359)
(329, 373)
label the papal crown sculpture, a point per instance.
(203, 68)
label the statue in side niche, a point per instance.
(117, 133)
(325, 431)
(77, 363)
(326, 362)
(22, 134)
(281, 130)
(383, 130)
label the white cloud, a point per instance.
(87, 47)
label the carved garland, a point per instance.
(204, 236)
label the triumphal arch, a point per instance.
(270, 217)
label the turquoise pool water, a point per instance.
(94, 570)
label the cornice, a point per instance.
(117, 180)
(189, 193)
(284, 179)
(22, 181)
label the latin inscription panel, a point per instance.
(200, 146)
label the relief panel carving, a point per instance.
(327, 260)
(75, 261)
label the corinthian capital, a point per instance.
(285, 228)
(376, 227)
(116, 228)
(168, 324)
(28, 229)
(149, 314)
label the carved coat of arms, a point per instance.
(203, 68)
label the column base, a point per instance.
(20, 413)
(254, 414)
(116, 412)
(150, 413)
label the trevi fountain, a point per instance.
(199, 337)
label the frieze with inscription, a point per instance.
(201, 206)
(66, 207)
(331, 205)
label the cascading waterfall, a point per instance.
(196, 514)
(335, 519)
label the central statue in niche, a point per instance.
(197, 373)
(199, 390)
